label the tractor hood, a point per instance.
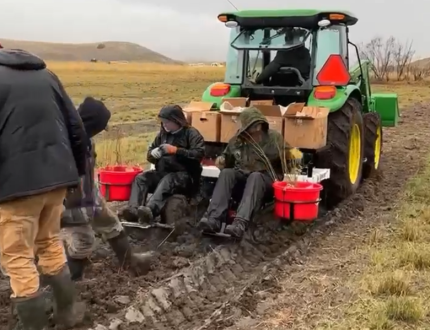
(21, 60)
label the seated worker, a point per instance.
(84, 216)
(299, 58)
(252, 158)
(176, 152)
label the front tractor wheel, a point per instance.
(372, 143)
(344, 154)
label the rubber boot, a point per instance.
(68, 313)
(209, 225)
(145, 214)
(136, 263)
(76, 267)
(31, 313)
(237, 228)
(130, 214)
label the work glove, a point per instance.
(168, 149)
(157, 153)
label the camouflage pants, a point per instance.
(79, 240)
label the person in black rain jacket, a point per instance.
(43, 147)
(176, 152)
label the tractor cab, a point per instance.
(279, 54)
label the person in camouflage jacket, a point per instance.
(87, 213)
(253, 159)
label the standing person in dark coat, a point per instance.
(43, 148)
(176, 152)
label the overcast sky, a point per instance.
(188, 29)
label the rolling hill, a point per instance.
(103, 51)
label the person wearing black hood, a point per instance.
(42, 154)
(84, 216)
(176, 152)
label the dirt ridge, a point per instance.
(218, 287)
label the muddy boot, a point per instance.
(145, 214)
(237, 228)
(68, 313)
(129, 214)
(31, 313)
(137, 263)
(76, 267)
(209, 225)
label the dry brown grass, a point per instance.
(392, 291)
(135, 92)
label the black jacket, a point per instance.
(299, 58)
(42, 139)
(95, 117)
(190, 143)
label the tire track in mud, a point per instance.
(218, 288)
(199, 283)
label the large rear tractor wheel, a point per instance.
(372, 143)
(344, 153)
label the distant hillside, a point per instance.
(425, 62)
(103, 51)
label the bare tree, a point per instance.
(380, 53)
(402, 57)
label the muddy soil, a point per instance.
(202, 283)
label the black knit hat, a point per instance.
(95, 116)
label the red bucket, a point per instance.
(300, 197)
(115, 182)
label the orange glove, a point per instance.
(169, 149)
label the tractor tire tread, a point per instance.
(371, 123)
(338, 187)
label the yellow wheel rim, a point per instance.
(354, 154)
(378, 147)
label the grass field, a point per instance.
(135, 92)
(393, 289)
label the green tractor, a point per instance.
(318, 75)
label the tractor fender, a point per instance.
(217, 100)
(337, 102)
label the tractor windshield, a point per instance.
(268, 38)
(252, 50)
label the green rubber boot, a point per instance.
(31, 313)
(68, 313)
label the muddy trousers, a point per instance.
(162, 186)
(30, 226)
(80, 224)
(253, 189)
(79, 239)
